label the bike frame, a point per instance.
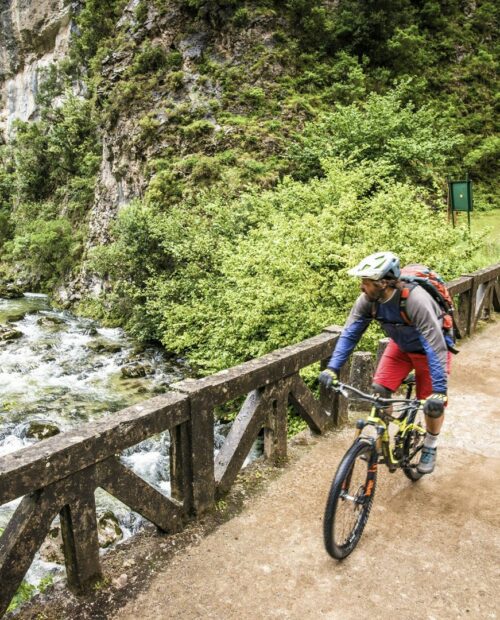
(381, 420)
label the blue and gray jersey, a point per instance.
(424, 335)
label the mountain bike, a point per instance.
(393, 435)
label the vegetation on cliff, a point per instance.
(271, 145)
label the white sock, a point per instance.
(430, 440)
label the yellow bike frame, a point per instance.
(381, 421)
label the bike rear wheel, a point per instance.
(412, 447)
(350, 500)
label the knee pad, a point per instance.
(382, 391)
(434, 414)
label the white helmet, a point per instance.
(377, 266)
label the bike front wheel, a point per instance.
(412, 446)
(350, 500)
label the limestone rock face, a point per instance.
(32, 36)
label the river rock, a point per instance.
(133, 371)
(104, 346)
(14, 318)
(108, 529)
(7, 333)
(9, 290)
(52, 547)
(41, 429)
(50, 321)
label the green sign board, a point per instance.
(461, 195)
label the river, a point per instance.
(58, 371)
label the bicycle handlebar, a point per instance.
(371, 398)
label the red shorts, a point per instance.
(395, 365)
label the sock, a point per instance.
(430, 440)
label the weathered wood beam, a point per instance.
(58, 457)
(276, 425)
(459, 285)
(361, 377)
(485, 275)
(22, 538)
(201, 492)
(303, 401)
(239, 441)
(484, 296)
(228, 384)
(80, 540)
(496, 297)
(181, 477)
(117, 479)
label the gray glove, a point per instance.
(328, 378)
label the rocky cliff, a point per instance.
(33, 35)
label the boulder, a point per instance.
(42, 429)
(108, 530)
(9, 290)
(50, 321)
(134, 371)
(52, 547)
(104, 346)
(8, 333)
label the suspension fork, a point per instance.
(372, 470)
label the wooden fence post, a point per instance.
(361, 377)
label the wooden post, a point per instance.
(80, 542)
(202, 454)
(181, 478)
(79, 532)
(21, 539)
(361, 377)
(275, 431)
(382, 345)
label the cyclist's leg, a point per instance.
(392, 369)
(424, 387)
(433, 425)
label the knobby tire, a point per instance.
(347, 500)
(412, 448)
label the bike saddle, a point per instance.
(410, 379)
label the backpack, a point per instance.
(420, 275)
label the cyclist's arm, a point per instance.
(355, 326)
(424, 314)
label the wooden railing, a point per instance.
(476, 295)
(59, 475)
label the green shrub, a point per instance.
(241, 17)
(198, 128)
(175, 80)
(415, 143)
(149, 58)
(248, 276)
(174, 60)
(43, 250)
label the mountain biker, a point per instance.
(419, 346)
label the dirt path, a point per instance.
(430, 549)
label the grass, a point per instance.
(487, 221)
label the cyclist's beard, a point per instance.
(377, 296)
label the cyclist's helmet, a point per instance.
(377, 266)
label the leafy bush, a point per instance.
(42, 250)
(149, 58)
(257, 273)
(415, 143)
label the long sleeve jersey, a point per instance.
(424, 335)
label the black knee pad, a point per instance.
(434, 414)
(382, 391)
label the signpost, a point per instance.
(460, 197)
